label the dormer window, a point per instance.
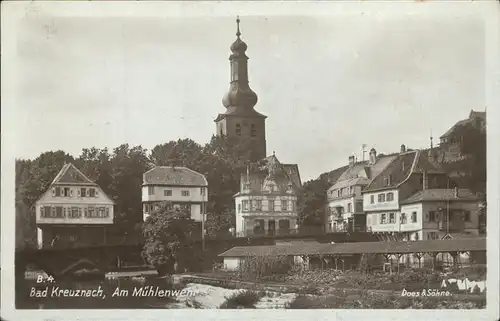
(238, 129)
(253, 130)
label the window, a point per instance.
(151, 190)
(245, 205)
(59, 212)
(372, 199)
(253, 130)
(349, 207)
(416, 236)
(66, 191)
(403, 218)
(414, 217)
(102, 212)
(381, 198)
(392, 218)
(91, 212)
(92, 192)
(238, 129)
(202, 191)
(75, 213)
(185, 193)
(383, 218)
(47, 212)
(432, 216)
(58, 191)
(107, 212)
(467, 216)
(271, 205)
(167, 192)
(390, 197)
(258, 205)
(83, 192)
(284, 205)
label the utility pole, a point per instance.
(203, 211)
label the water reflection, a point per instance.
(117, 294)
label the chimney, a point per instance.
(425, 184)
(403, 148)
(351, 160)
(373, 156)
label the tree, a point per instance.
(169, 235)
(312, 202)
(127, 168)
(219, 225)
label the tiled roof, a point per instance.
(473, 114)
(400, 169)
(285, 174)
(465, 244)
(430, 195)
(170, 175)
(69, 174)
(293, 172)
(362, 172)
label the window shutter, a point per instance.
(53, 191)
(79, 193)
(87, 192)
(70, 193)
(96, 193)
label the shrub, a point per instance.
(246, 299)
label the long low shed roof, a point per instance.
(471, 244)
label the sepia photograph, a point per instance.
(257, 156)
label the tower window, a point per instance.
(238, 129)
(253, 130)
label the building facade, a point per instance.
(344, 199)
(74, 211)
(241, 122)
(407, 175)
(180, 186)
(267, 201)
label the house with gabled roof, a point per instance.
(344, 199)
(182, 187)
(407, 174)
(267, 201)
(73, 211)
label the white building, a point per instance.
(405, 197)
(181, 186)
(344, 199)
(267, 201)
(74, 209)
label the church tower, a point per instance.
(241, 122)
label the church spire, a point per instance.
(239, 95)
(238, 33)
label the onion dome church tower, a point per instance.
(241, 121)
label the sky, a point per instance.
(328, 85)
